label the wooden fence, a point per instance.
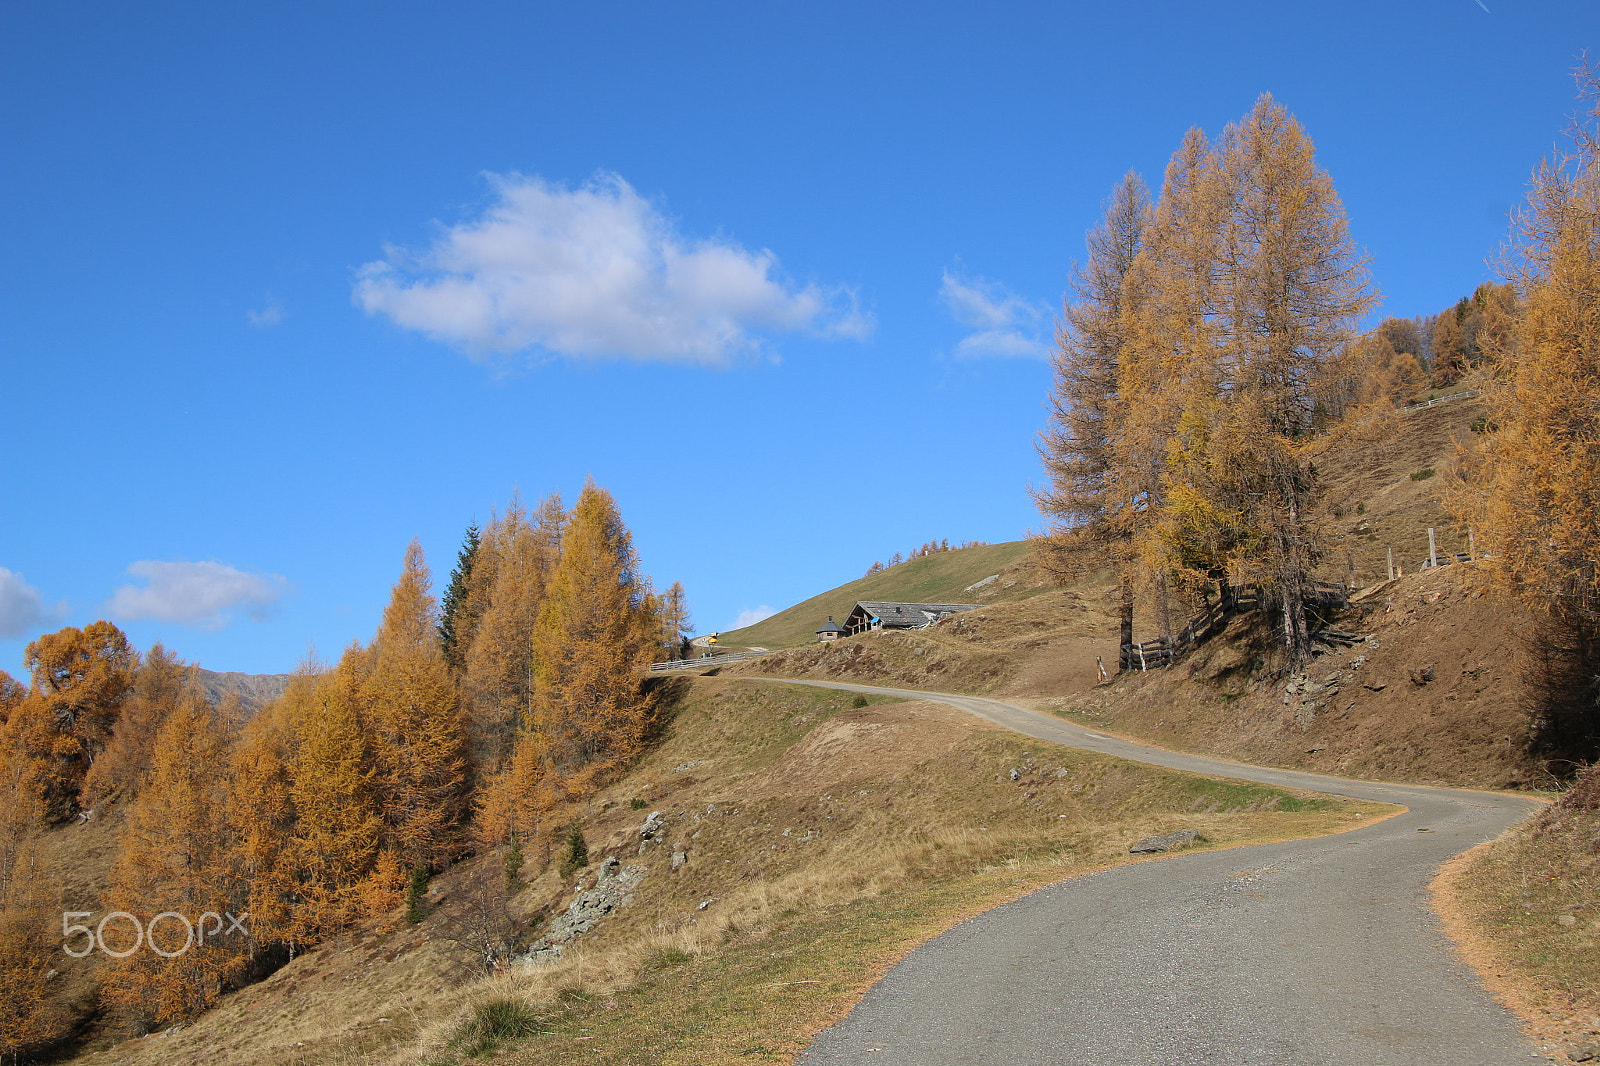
(1163, 652)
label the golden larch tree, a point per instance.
(1532, 491)
(27, 1019)
(176, 861)
(261, 813)
(160, 682)
(418, 739)
(507, 591)
(80, 680)
(1170, 352)
(1086, 503)
(1288, 287)
(334, 848)
(595, 633)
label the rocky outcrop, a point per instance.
(1164, 842)
(613, 887)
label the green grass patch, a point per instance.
(1424, 474)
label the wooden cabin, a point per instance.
(870, 615)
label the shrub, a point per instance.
(513, 862)
(574, 853)
(1424, 474)
(493, 1021)
(859, 701)
(415, 890)
(637, 804)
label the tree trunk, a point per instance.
(1125, 636)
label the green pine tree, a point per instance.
(455, 596)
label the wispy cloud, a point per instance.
(595, 272)
(1002, 323)
(21, 606)
(196, 594)
(271, 314)
(751, 615)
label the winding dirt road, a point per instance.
(1321, 952)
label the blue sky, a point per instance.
(286, 285)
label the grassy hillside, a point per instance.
(807, 839)
(939, 578)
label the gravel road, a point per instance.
(1321, 952)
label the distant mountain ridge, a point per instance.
(255, 691)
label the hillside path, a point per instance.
(1321, 952)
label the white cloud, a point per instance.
(751, 615)
(270, 315)
(197, 594)
(1002, 323)
(21, 606)
(594, 272)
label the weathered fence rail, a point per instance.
(1245, 598)
(706, 661)
(1438, 399)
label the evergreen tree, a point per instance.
(453, 605)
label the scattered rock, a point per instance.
(680, 858)
(1165, 842)
(1375, 686)
(1015, 773)
(1358, 662)
(706, 903)
(1586, 1053)
(652, 826)
(1566, 920)
(1422, 675)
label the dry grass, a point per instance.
(830, 839)
(1526, 911)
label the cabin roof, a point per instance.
(905, 615)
